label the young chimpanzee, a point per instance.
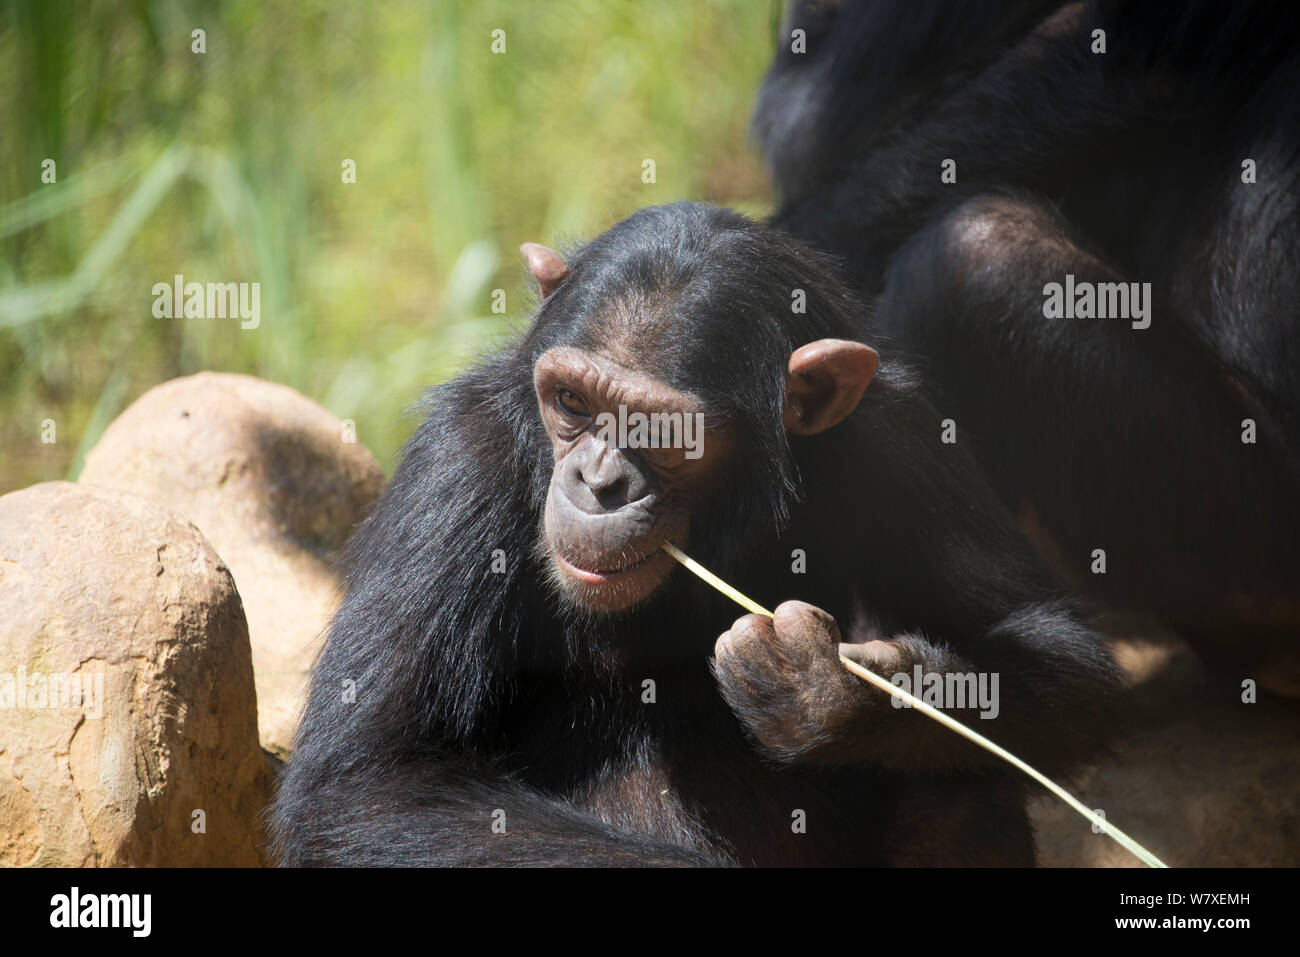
(520, 675)
(1084, 220)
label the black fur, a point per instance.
(477, 691)
(1122, 166)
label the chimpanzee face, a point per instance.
(633, 459)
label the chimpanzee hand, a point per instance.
(783, 679)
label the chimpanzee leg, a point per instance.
(1128, 444)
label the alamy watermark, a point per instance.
(214, 300)
(1098, 300)
(951, 690)
(56, 691)
(130, 911)
(654, 430)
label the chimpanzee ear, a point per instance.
(826, 382)
(547, 265)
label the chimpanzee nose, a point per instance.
(616, 477)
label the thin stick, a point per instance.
(1099, 822)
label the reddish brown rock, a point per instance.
(156, 761)
(276, 486)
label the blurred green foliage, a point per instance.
(226, 166)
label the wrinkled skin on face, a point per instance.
(610, 509)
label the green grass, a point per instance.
(225, 166)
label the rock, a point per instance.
(102, 591)
(268, 477)
(1198, 777)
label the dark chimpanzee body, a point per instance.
(1127, 165)
(507, 601)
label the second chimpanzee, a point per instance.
(1083, 218)
(519, 675)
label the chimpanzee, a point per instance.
(1081, 221)
(519, 675)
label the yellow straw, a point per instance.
(1098, 822)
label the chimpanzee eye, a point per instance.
(570, 403)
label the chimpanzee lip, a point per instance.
(602, 574)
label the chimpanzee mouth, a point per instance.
(597, 576)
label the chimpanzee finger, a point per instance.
(800, 621)
(885, 658)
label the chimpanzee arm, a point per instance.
(950, 587)
(1049, 680)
